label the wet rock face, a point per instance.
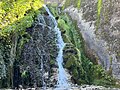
(39, 51)
(105, 40)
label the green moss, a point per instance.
(103, 82)
(53, 11)
(52, 62)
(82, 69)
(70, 61)
(66, 38)
(75, 60)
(17, 15)
(24, 74)
(63, 25)
(76, 3)
(99, 7)
(79, 3)
(75, 73)
(103, 78)
(22, 24)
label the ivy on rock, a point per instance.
(82, 69)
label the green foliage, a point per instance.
(79, 3)
(95, 74)
(61, 22)
(15, 17)
(24, 74)
(88, 70)
(71, 62)
(76, 3)
(4, 60)
(67, 3)
(82, 69)
(72, 54)
(52, 62)
(17, 14)
(99, 7)
(102, 78)
(2, 66)
(53, 9)
(70, 30)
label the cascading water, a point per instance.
(62, 79)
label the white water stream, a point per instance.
(62, 79)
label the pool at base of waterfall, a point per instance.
(82, 87)
(63, 87)
(73, 87)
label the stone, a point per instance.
(105, 42)
(40, 52)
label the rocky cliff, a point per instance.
(38, 55)
(98, 21)
(28, 46)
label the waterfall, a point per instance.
(62, 79)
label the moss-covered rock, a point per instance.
(75, 60)
(15, 18)
(41, 51)
(41, 46)
(70, 61)
(17, 15)
(63, 25)
(66, 38)
(75, 73)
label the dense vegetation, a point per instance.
(77, 3)
(83, 70)
(16, 16)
